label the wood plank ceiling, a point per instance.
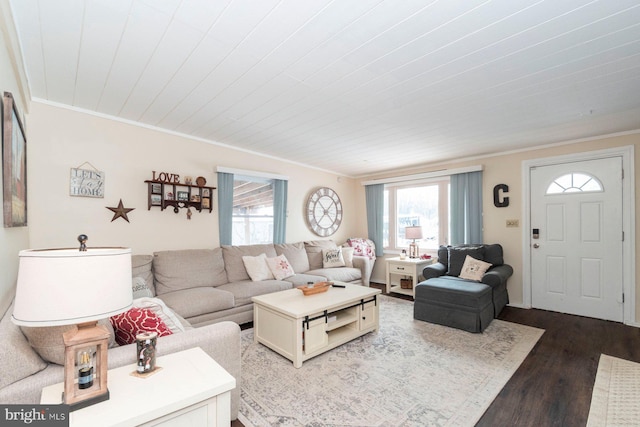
(356, 87)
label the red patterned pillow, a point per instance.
(130, 323)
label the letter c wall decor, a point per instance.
(496, 196)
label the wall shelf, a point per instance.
(164, 194)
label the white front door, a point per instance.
(576, 259)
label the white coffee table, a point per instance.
(300, 327)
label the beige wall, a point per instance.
(61, 139)
(507, 169)
(12, 240)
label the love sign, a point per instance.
(171, 178)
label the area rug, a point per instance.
(616, 393)
(409, 373)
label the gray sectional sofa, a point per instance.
(23, 372)
(212, 285)
(207, 288)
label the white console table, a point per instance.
(190, 389)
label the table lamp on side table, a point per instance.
(413, 232)
(70, 286)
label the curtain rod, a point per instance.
(251, 173)
(425, 175)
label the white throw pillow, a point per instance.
(257, 267)
(140, 288)
(473, 269)
(347, 254)
(162, 311)
(332, 258)
(280, 267)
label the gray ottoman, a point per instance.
(452, 302)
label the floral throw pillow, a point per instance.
(473, 269)
(362, 247)
(280, 267)
(130, 323)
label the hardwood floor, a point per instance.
(553, 385)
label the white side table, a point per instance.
(409, 267)
(190, 389)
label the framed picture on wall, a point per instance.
(14, 165)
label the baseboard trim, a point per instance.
(526, 307)
(632, 324)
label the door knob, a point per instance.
(536, 246)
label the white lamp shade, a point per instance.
(67, 286)
(414, 232)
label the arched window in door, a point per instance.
(575, 182)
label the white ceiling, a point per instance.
(354, 87)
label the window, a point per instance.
(574, 183)
(252, 207)
(425, 204)
(252, 210)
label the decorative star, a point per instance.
(120, 212)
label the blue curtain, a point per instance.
(225, 207)
(375, 215)
(466, 208)
(280, 210)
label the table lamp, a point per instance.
(413, 232)
(70, 286)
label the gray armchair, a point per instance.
(447, 299)
(451, 259)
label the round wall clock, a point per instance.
(324, 211)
